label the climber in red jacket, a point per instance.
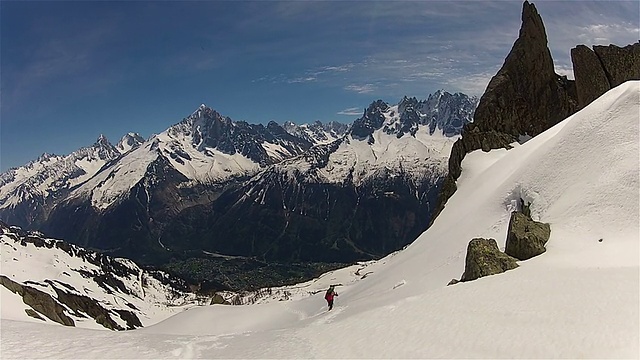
(329, 296)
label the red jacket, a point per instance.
(329, 295)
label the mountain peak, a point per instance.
(129, 141)
(102, 140)
(526, 96)
(45, 156)
(201, 110)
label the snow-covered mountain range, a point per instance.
(317, 132)
(185, 188)
(579, 299)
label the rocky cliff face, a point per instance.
(526, 96)
(523, 99)
(605, 67)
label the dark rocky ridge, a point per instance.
(210, 129)
(525, 98)
(603, 68)
(298, 221)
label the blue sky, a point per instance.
(70, 71)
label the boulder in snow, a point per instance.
(484, 259)
(526, 238)
(219, 299)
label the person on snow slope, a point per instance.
(329, 295)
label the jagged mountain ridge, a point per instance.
(67, 284)
(129, 141)
(317, 132)
(441, 111)
(203, 174)
(32, 190)
(357, 198)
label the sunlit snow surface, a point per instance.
(579, 299)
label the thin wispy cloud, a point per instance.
(360, 89)
(471, 84)
(352, 111)
(302, 79)
(605, 33)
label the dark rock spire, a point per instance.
(525, 97)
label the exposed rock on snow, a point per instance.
(129, 142)
(526, 238)
(591, 80)
(39, 301)
(219, 299)
(72, 286)
(484, 259)
(605, 67)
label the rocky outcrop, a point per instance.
(74, 284)
(219, 299)
(484, 259)
(620, 64)
(591, 81)
(40, 301)
(474, 140)
(526, 238)
(605, 67)
(33, 314)
(43, 303)
(525, 97)
(84, 304)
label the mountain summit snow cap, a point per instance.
(102, 140)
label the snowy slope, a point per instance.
(580, 299)
(113, 183)
(117, 284)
